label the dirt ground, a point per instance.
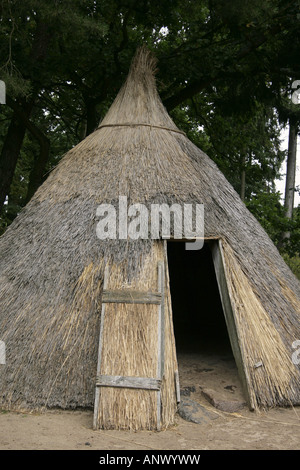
(215, 429)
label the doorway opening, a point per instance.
(204, 352)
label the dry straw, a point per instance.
(52, 264)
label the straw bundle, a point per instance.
(52, 265)
(269, 367)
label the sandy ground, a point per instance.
(276, 429)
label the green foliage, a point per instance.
(294, 263)
(268, 210)
(291, 245)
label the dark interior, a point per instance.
(199, 322)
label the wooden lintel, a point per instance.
(128, 382)
(130, 296)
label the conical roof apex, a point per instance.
(138, 102)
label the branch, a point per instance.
(198, 85)
(35, 131)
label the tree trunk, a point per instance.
(291, 172)
(290, 175)
(38, 170)
(91, 116)
(21, 118)
(11, 150)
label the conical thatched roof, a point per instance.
(51, 261)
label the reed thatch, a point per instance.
(52, 264)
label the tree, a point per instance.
(33, 39)
(221, 66)
(289, 116)
(290, 173)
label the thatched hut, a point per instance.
(87, 322)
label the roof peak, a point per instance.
(143, 61)
(138, 102)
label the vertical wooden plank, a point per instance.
(161, 326)
(177, 386)
(161, 290)
(169, 311)
(158, 394)
(97, 389)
